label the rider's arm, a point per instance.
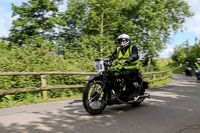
(194, 67)
(113, 56)
(134, 56)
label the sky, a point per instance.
(190, 32)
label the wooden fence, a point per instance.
(149, 76)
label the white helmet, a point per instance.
(124, 37)
(198, 59)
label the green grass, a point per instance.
(160, 83)
(179, 70)
(35, 100)
(163, 63)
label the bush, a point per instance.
(28, 59)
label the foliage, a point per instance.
(185, 52)
(28, 59)
(43, 39)
(94, 24)
(148, 22)
(35, 22)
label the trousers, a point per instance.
(130, 76)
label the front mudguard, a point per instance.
(99, 78)
(96, 77)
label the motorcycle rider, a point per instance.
(128, 54)
(197, 68)
(188, 69)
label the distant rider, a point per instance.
(188, 69)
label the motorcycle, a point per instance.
(108, 88)
(188, 71)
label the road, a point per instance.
(173, 108)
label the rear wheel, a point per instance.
(94, 98)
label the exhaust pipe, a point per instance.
(141, 98)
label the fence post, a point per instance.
(162, 74)
(154, 77)
(44, 84)
(168, 73)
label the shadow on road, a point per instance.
(71, 118)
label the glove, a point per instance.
(127, 62)
(106, 59)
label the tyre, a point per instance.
(94, 98)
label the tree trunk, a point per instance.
(101, 45)
(149, 62)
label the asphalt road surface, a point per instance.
(173, 108)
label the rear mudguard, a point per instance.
(96, 77)
(145, 85)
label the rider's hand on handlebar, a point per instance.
(106, 59)
(121, 63)
(127, 62)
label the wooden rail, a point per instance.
(45, 87)
(46, 73)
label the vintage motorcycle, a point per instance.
(108, 88)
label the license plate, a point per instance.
(99, 66)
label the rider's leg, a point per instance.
(129, 76)
(197, 75)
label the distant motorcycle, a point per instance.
(108, 88)
(188, 71)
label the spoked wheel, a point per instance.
(94, 98)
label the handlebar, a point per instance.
(106, 59)
(109, 62)
(120, 63)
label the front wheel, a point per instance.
(94, 98)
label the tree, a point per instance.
(156, 19)
(35, 22)
(186, 52)
(148, 22)
(90, 18)
(180, 53)
(98, 23)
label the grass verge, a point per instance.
(160, 83)
(35, 100)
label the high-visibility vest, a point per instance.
(198, 66)
(123, 58)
